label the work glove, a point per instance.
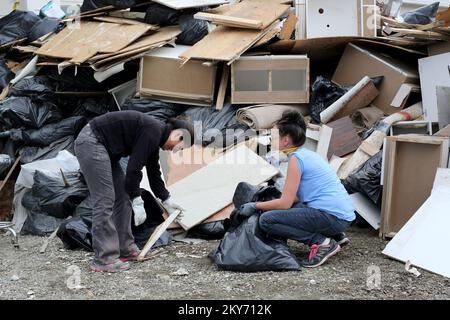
(248, 209)
(172, 207)
(139, 211)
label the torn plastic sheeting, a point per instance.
(49, 133)
(32, 154)
(18, 112)
(192, 30)
(246, 248)
(90, 107)
(6, 74)
(422, 15)
(89, 5)
(68, 81)
(59, 196)
(16, 25)
(367, 179)
(5, 163)
(158, 14)
(158, 109)
(42, 28)
(211, 125)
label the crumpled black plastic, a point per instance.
(5, 163)
(157, 109)
(43, 27)
(31, 154)
(422, 15)
(49, 133)
(95, 4)
(367, 179)
(16, 25)
(23, 112)
(37, 87)
(192, 30)
(6, 75)
(209, 231)
(162, 15)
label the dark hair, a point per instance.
(183, 124)
(292, 124)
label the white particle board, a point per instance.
(367, 209)
(423, 238)
(434, 71)
(211, 188)
(184, 4)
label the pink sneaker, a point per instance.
(116, 266)
(131, 257)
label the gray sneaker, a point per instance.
(320, 253)
(116, 266)
(341, 239)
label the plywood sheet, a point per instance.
(224, 44)
(211, 188)
(80, 44)
(252, 14)
(366, 209)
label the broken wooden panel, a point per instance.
(251, 14)
(409, 169)
(344, 139)
(224, 44)
(83, 42)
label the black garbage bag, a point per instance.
(422, 15)
(366, 179)
(69, 81)
(5, 163)
(75, 233)
(192, 30)
(31, 154)
(246, 192)
(246, 248)
(49, 133)
(59, 196)
(89, 107)
(19, 112)
(16, 25)
(323, 94)
(6, 75)
(37, 222)
(208, 231)
(119, 4)
(43, 27)
(157, 109)
(211, 125)
(161, 15)
(37, 87)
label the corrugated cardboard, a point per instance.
(270, 79)
(357, 62)
(162, 77)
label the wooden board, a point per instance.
(251, 14)
(344, 139)
(225, 79)
(410, 165)
(224, 44)
(80, 44)
(211, 188)
(430, 221)
(125, 21)
(184, 4)
(288, 27)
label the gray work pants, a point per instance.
(111, 216)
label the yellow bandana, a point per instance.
(289, 151)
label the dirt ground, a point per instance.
(183, 271)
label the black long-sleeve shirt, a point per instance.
(139, 136)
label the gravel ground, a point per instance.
(183, 271)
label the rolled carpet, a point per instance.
(262, 116)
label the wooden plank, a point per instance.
(223, 87)
(444, 16)
(157, 234)
(344, 139)
(229, 21)
(185, 4)
(211, 188)
(224, 44)
(125, 21)
(252, 14)
(288, 27)
(92, 37)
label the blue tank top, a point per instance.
(320, 188)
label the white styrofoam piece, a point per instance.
(423, 237)
(442, 178)
(169, 52)
(184, 4)
(367, 209)
(212, 187)
(330, 18)
(434, 71)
